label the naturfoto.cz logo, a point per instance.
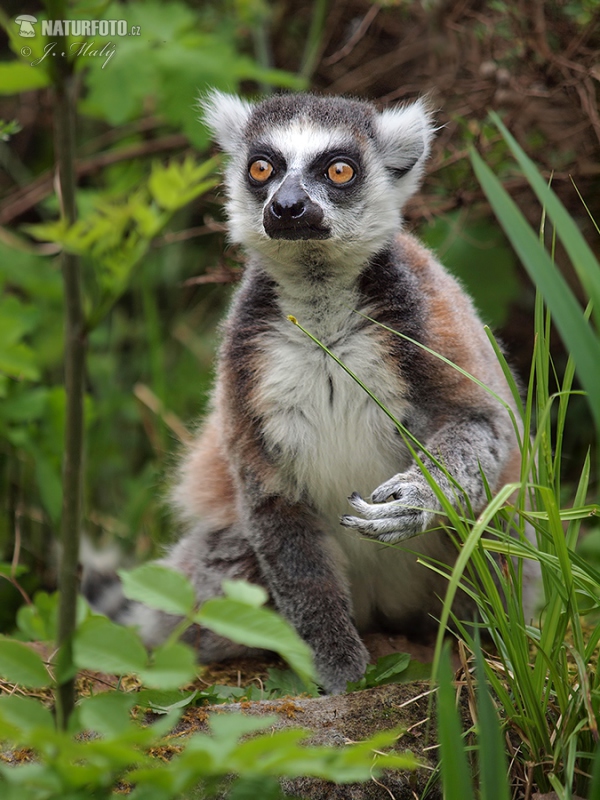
(75, 27)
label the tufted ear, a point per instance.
(226, 116)
(404, 135)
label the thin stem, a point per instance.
(64, 143)
(313, 41)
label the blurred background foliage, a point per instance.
(155, 313)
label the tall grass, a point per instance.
(544, 677)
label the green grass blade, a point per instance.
(492, 758)
(567, 314)
(582, 258)
(456, 773)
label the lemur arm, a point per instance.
(406, 505)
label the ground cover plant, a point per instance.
(125, 231)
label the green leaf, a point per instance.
(161, 701)
(228, 728)
(456, 775)
(102, 645)
(10, 570)
(248, 593)
(17, 319)
(390, 666)
(18, 361)
(16, 77)
(39, 620)
(393, 668)
(19, 664)
(177, 184)
(282, 682)
(107, 713)
(172, 666)
(25, 714)
(251, 787)
(159, 587)
(257, 627)
(26, 406)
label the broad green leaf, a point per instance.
(25, 406)
(25, 714)
(16, 77)
(21, 665)
(162, 701)
(387, 670)
(251, 787)
(18, 361)
(102, 645)
(107, 713)
(172, 666)
(248, 593)
(390, 666)
(38, 621)
(228, 728)
(159, 587)
(16, 319)
(576, 332)
(257, 627)
(270, 754)
(456, 774)
(282, 682)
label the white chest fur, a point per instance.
(332, 439)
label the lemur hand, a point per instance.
(401, 508)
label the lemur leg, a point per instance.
(306, 587)
(206, 558)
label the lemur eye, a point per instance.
(260, 170)
(340, 172)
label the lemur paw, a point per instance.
(400, 509)
(347, 663)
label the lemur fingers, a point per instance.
(391, 521)
(399, 509)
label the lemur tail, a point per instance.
(100, 584)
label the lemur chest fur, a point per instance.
(328, 435)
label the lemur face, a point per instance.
(303, 180)
(314, 174)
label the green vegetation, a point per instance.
(132, 236)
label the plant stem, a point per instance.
(313, 41)
(68, 581)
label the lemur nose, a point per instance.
(291, 214)
(284, 209)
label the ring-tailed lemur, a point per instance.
(315, 188)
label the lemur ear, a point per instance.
(226, 115)
(405, 135)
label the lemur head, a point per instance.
(324, 176)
